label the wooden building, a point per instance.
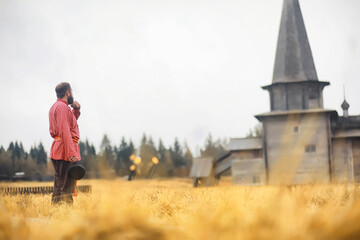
(245, 161)
(202, 171)
(346, 147)
(302, 142)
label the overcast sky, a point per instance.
(164, 67)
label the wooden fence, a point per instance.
(38, 190)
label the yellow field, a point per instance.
(172, 209)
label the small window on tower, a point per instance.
(310, 148)
(296, 129)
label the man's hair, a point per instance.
(61, 89)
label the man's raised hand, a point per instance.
(75, 105)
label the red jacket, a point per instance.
(65, 131)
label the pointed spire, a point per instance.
(345, 105)
(294, 61)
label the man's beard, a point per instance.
(70, 100)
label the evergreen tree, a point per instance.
(38, 154)
(41, 157)
(119, 165)
(131, 151)
(161, 152)
(11, 148)
(5, 163)
(115, 152)
(33, 152)
(165, 166)
(89, 159)
(17, 150)
(23, 153)
(177, 155)
(213, 149)
(188, 157)
(107, 153)
(257, 131)
(123, 162)
(83, 154)
(151, 142)
(147, 152)
(105, 143)
(143, 139)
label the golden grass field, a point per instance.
(173, 209)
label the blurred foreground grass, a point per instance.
(173, 209)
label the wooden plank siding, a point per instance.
(287, 138)
(356, 158)
(248, 171)
(342, 164)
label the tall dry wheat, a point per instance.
(172, 209)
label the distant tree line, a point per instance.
(15, 162)
(149, 160)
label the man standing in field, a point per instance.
(65, 149)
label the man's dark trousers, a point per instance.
(63, 185)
